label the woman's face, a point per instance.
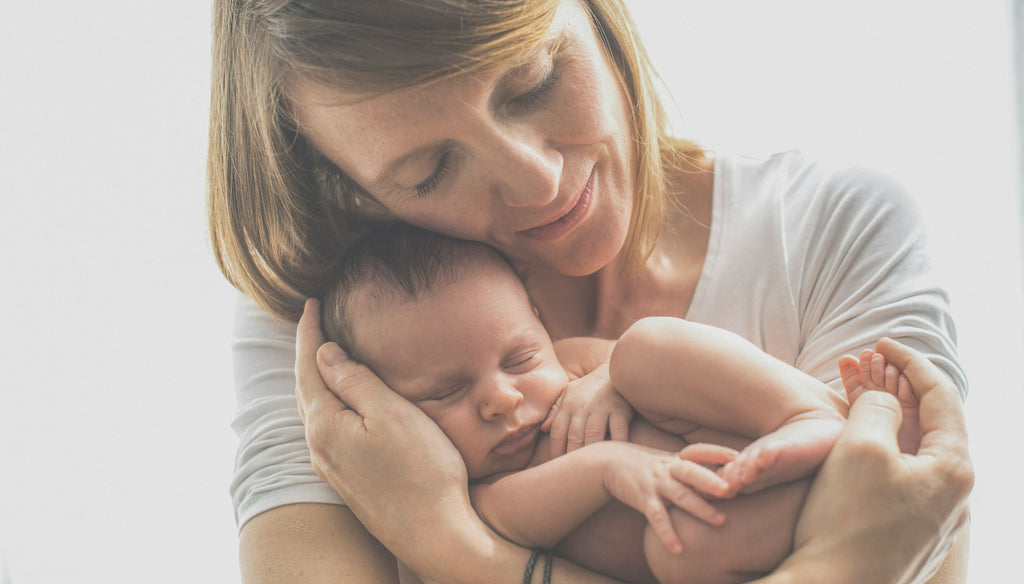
(535, 158)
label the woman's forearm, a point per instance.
(312, 543)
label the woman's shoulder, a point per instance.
(799, 187)
(254, 322)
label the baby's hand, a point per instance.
(587, 412)
(645, 478)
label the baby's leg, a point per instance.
(757, 536)
(682, 375)
(873, 372)
(795, 450)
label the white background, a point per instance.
(115, 382)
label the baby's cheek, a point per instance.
(552, 383)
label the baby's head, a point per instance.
(449, 326)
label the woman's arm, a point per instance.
(314, 543)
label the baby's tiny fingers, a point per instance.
(695, 505)
(701, 478)
(661, 522)
(596, 429)
(577, 428)
(618, 427)
(704, 453)
(892, 376)
(559, 434)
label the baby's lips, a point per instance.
(550, 419)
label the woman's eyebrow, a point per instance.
(548, 47)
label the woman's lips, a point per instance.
(569, 219)
(516, 442)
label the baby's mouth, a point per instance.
(517, 441)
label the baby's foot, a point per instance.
(793, 451)
(872, 372)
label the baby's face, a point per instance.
(475, 358)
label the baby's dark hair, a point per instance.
(393, 262)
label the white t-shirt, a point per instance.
(806, 262)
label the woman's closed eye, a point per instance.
(434, 180)
(531, 99)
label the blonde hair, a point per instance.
(279, 212)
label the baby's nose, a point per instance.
(502, 400)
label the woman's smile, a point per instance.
(567, 219)
(535, 158)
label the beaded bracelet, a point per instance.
(528, 577)
(547, 567)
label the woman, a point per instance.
(531, 126)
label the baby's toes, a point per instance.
(849, 372)
(892, 378)
(877, 367)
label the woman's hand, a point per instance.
(874, 514)
(397, 471)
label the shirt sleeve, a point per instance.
(272, 466)
(862, 271)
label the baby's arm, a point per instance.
(539, 506)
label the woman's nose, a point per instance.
(498, 400)
(527, 172)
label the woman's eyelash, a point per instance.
(531, 98)
(430, 185)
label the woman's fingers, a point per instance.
(872, 424)
(310, 390)
(356, 385)
(943, 423)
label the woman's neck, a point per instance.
(606, 303)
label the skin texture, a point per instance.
(474, 357)
(518, 158)
(497, 156)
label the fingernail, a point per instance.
(332, 355)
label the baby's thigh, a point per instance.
(610, 542)
(756, 537)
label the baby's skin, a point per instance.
(873, 372)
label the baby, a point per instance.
(449, 326)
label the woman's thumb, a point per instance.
(875, 418)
